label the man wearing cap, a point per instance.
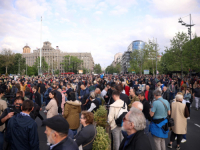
(57, 134)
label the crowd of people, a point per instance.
(139, 107)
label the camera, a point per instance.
(15, 109)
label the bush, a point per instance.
(102, 141)
(100, 117)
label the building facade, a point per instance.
(126, 57)
(54, 57)
(117, 59)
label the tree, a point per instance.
(71, 63)
(19, 64)
(7, 58)
(175, 57)
(31, 71)
(57, 71)
(111, 69)
(138, 58)
(44, 66)
(97, 68)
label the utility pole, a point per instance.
(40, 73)
(26, 67)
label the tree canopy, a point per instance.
(97, 68)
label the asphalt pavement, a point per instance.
(193, 134)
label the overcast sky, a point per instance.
(103, 28)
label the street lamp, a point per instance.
(156, 45)
(189, 32)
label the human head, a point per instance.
(132, 92)
(56, 129)
(92, 95)
(147, 87)
(82, 87)
(48, 85)
(164, 88)
(137, 105)
(134, 121)
(157, 93)
(18, 102)
(27, 106)
(97, 91)
(86, 118)
(116, 95)
(69, 85)
(179, 98)
(34, 89)
(141, 96)
(1, 93)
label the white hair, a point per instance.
(139, 105)
(179, 97)
(136, 116)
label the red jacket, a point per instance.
(127, 89)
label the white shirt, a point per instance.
(103, 93)
(92, 106)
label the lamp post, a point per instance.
(189, 32)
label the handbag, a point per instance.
(170, 120)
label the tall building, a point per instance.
(125, 61)
(117, 59)
(55, 56)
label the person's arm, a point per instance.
(186, 112)
(81, 137)
(111, 115)
(5, 116)
(48, 106)
(153, 109)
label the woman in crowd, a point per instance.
(52, 107)
(187, 98)
(72, 109)
(63, 99)
(179, 113)
(86, 136)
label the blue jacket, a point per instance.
(157, 130)
(85, 92)
(22, 133)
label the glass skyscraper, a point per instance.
(136, 45)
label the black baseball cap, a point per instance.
(57, 123)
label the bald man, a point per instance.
(148, 94)
(137, 105)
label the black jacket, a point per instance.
(146, 107)
(165, 95)
(67, 143)
(38, 98)
(59, 97)
(150, 95)
(125, 98)
(139, 141)
(42, 88)
(85, 136)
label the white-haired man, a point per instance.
(134, 124)
(137, 105)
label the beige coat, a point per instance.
(52, 108)
(3, 106)
(113, 112)
(180, 122)
(72, 110)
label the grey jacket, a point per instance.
(173, 90)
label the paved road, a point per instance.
(193, 135)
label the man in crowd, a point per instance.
(196, 95)
(148, 94)
(84, 94)
(57, 134)
(134, 124)
(146, 107)
(159, 111)
(46, 94)
(132, 97)
(165, 93)
(138, 105)
(22, 129)
(172, 91)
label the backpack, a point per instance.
(121, 114)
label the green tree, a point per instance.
(19, 64)
(31, 71)
(175, 57)
(57, 72)
(71, 63)
(6, 58)
(97, 68)
(44, 65)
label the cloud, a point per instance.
(118, 10)
(175, 6)
(98, 13)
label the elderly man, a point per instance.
(57, 134)
(137, 105)
(148, 94)
(134, 124)
(132, 97)
(159, 111)
(165, 94)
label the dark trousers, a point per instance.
(171, 96)
(179, 137)
(188, 106)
